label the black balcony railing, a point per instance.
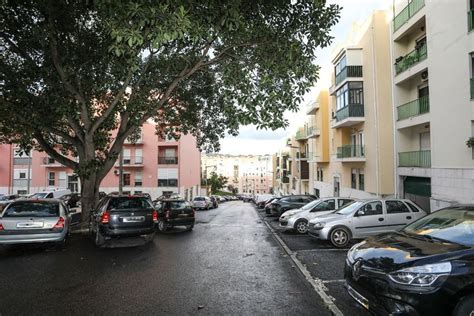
(349, 72)
(168, 160)
(351, 110)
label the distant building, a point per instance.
(151, 165)
(246, 173)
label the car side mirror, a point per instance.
(360, 213)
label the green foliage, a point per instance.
(74, 72)
(232, 189)
(216, 182)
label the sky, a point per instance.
(259, 142)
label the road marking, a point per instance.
(334, 281)
(321, 250)
(317, 283)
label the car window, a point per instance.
(39, 196)
(328, 205)
(199, 198)
(49, 196)
(307, 199)
(395, 207)
(120, 203)
(370, 209)
(178, 205)
(35, 209)
(343, 202)
(412, 207)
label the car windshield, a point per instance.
(199, 199)
(35, 209)
(310, 205)
(350, 208)
(39, 195)
(129, 202)
(178, 205)
(454, 225)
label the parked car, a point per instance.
(8, 197)
(119, 216)
(298, 219)
(269, 206)
(290, 202)
(174, 212)
(261, 199)
(247, 198)
(221, 199)
(364, 218)
(34, 221)
(55, 194)
(71, 200)
(425, 269)
(202, 202)
(215, 201)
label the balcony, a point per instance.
(312, 132)
(351, 153)
(131, 162)
(349, 72)
(414, 108)
(420, 158)
(349, 115)
(470, 20)
(300, 135)
(411, 59)
(51, 163)
(312, 107)
(167, 160)
(406, 13)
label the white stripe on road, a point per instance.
(321, 250)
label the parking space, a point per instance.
(323, 261)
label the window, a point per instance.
(51, 177)
(361, 180)
(343, 202)
(341, 64)
(167, 182)
(138, 179)
(394, 207)
(353, 178)
(126, 179)
(371, 208)
(412, 207)
(350, 93)
(21, 192)
(22, 175)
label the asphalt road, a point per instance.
(229, 264)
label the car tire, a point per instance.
(189, 227)
(465, 306)
(340, 237)
(99, 239)
(161, 225)
(60, 245)
(301, 226)
(149, 237)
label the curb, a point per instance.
(317, 284)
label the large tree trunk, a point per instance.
(89, 196)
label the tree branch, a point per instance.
(53, 153)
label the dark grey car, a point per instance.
(290, 202)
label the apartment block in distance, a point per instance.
(361, 118)
(433, 93)
(151, 165)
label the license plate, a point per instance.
(133, 219)
(358, 297)
(30, 225)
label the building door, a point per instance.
(418, 190)
(73, 183)
(337, 186)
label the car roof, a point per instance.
(37, 200)
(172, 200)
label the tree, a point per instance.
(79, 77)
(216, 182)
(232, 189)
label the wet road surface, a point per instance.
(229, 264)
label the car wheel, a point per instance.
(99, 239)
(301, 226)
(60, 245)
(465, 306)
(340, 237)
(149, 237)
(162, 226)
(189, 227)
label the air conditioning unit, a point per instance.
(424, 75)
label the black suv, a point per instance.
(290, 202)
(174, 212)
(123, 216)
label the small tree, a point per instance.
(216, 182)
(232, 189)
(79, 77)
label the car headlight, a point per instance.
(319, 225)
(422, 275)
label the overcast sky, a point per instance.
(253, 141)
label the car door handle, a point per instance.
(381, 219)
(408, 217)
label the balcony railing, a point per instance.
(167, 160)
(472, 88)
(351, 110)
(414, 108)
(349, 71)
(410, 10)
(300, 135)
(470, 20)
(127, 161)
(412, 58)
(420, 158)
(350, 151)
(312, 131)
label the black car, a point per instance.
(290, 202)
(269, 205)
(175, 212)
(215, 202)
(425, 269)
(71, 200)
(123, 216)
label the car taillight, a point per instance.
(105, 217)
(155, 216)
(1, 226)
(60, 224)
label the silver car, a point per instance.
(202, 202)
(364, 218)
(34, 221)
(298, 219)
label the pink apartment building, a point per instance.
(151, 165)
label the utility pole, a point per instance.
(29, 172)
(121, 172)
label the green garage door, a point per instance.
(418, 190)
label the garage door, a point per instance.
(418, 190)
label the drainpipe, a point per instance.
(376, 102)
(10, 187)
(29, 172)
(394, 112)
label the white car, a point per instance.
(202, 202)
(298, 219)
(364, 218)
(55, 194)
